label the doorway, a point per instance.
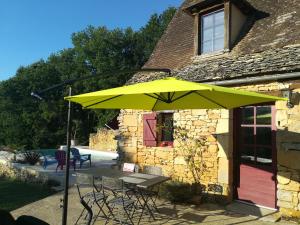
(255, 155)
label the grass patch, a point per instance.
(15, 194)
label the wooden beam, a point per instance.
(197, 30)
(227, 25)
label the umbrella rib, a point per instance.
(161, 97)
(157, 98)
(186, 94)
(155, 104)
(102, 101)
(211, 100)
(172, 95)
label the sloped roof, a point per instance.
(280, 60)
(176, 47)
(189, 3)
(271, 43)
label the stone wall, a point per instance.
(103, 140)
(288, 158)
(217, 127)
(288, 148)
(211, 124)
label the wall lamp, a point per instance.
(288, 93)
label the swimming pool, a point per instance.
(96, 155)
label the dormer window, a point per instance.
(218, 24)
(212, 32)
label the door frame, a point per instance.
(235, 152)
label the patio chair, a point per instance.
(131, 189)
(91, 198)
(60, 156)
(116, 193)
(81, 157)
(153, 170)
(152, 194)
(48, 160)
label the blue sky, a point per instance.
(33, 29)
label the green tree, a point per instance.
(29, 123)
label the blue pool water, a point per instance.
(47, 151)
(96, 155)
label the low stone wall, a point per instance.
(103, 140)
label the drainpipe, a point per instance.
(260, 79)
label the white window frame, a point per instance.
(201, 38)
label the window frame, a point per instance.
(255, 126)
(161, 142)
(200, 31)
(153, 130)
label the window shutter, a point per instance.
(149, 126)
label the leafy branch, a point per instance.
(192, 149)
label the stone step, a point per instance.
(262, 213)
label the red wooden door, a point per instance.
(256, 155)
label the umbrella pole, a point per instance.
(69, 82)
(67, 174)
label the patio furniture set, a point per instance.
(60, 159)
(119, 195)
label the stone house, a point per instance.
(252, 152)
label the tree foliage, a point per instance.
(27, 123)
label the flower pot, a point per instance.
(73, 142)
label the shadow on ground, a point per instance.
(48, 209)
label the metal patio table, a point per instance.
(140, 180)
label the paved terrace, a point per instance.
(48, 209)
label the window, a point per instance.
(257, 135)
(158, 129)
(212, 32)
(165, 131)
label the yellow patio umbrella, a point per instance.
(170, 94)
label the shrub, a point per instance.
(32, 157)
(7, 172)
(177, 192)
(52, 183)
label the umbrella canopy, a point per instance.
(168, 94)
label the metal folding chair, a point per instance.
(152, 194)
(154, 170)
(90, 198)
(117, 199)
